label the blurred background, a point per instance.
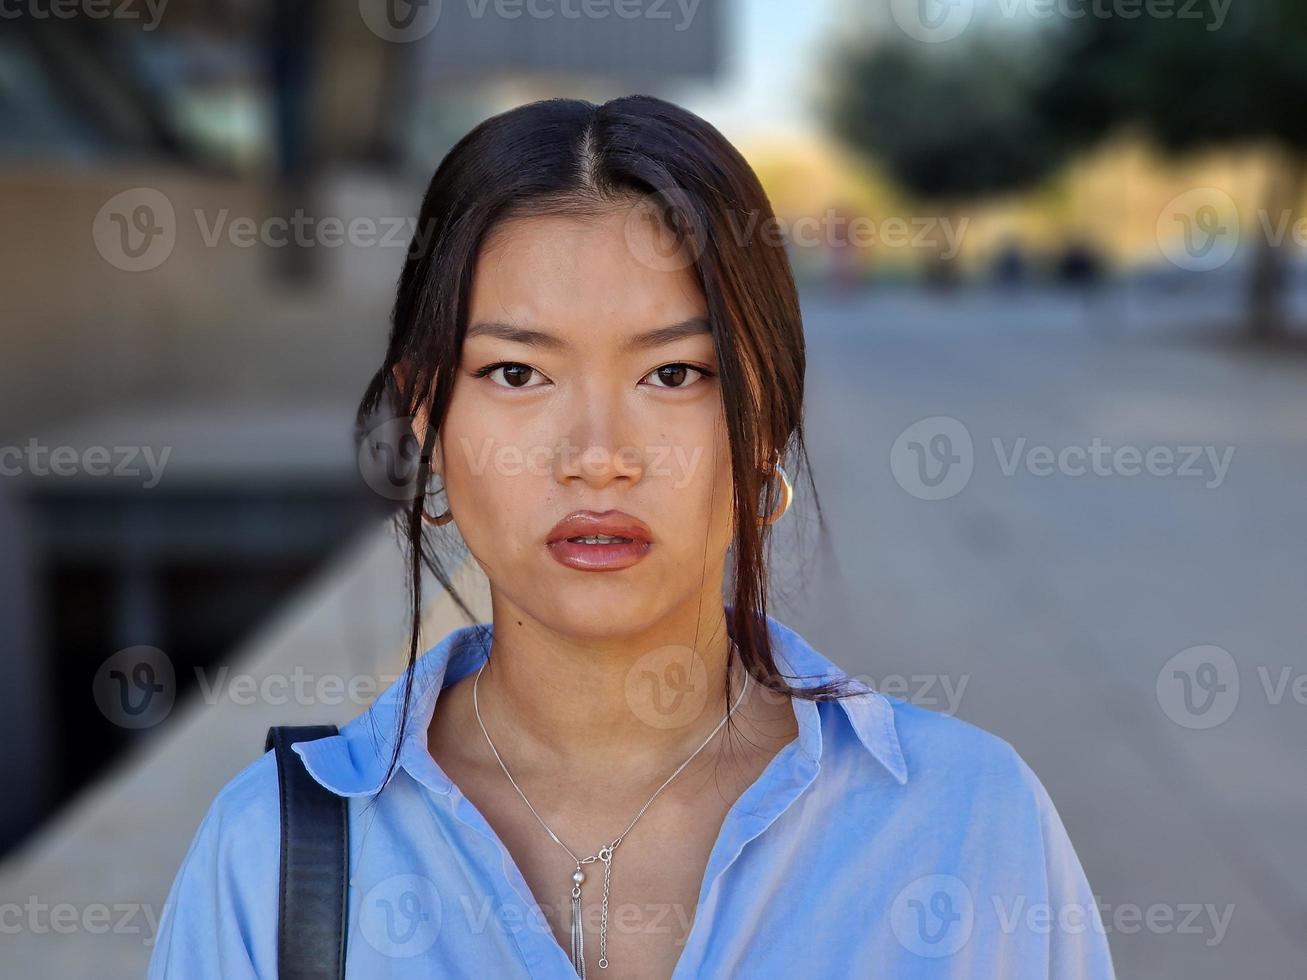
(1050, 254)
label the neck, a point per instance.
(578, 704)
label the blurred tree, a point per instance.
(999, 111)
(950, 124)
(1193, 83)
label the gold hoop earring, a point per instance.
(787, 495)
(440, 519)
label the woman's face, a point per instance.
(568, 398)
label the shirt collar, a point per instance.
(870, 713)
(354, 762)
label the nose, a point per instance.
(599, 448)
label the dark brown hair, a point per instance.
(572, 156)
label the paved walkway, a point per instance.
(1054, 603)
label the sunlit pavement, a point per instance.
(1050, 598)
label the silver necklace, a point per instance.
(605, 853)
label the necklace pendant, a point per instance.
(578, 930)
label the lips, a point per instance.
(592, 541)
(588, 523)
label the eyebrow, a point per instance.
(657, 337)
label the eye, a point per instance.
(515, 375)
(676, 375)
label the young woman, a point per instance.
(633, 771)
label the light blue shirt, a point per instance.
(886, 841)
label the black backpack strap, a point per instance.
(312, 907)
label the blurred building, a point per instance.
(159, 307)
